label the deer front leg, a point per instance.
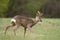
(29, 27)
(25, 31)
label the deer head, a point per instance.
(38, 16)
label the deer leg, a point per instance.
(8, 28)
(16, 27)
(29, 27)
(25, 31)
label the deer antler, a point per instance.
(39, 13)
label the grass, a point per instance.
(49, 29)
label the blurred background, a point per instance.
(10, 8)
(48, 29)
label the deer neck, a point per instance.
(36, 19)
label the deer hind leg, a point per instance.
(14, 30)
(8, 28)
(25, 31)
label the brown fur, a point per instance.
(24, 22)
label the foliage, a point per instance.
(21, 7)
(10, 8)
(3, 7)
(35, 5)
(51, 9)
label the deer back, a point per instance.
(23, 20)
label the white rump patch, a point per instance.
(13, 20)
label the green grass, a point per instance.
(49, 29)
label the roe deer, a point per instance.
(24, 22)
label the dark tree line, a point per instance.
(51, 9)
(17, 7)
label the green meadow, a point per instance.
(48, 29)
